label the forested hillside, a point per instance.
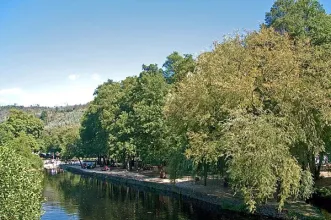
(52, 116)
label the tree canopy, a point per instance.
(255, 109)
(300, 19)
(256, 101)
(20, 169)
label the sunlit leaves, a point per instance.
(20, 170)
(255, 99)
(20, 194)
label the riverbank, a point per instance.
(212, 194)
(322, 195)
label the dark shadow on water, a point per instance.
(72, 196)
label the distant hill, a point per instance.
(52, 116)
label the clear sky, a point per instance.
(56, 52)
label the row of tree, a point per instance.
(256, 109)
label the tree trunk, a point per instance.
(124, 165)
(312, 166)
(318, 170)
(104, 160)
(80, 162)
(311, 163)
(130, 161)
(205, 173)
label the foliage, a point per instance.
(253, 99)
(20, 121)
(44, 116)
(306, 185)
(24, 127)
(178, 165)
(125, 120)
(62, 139)
(149, 125)
(51, 116)
(177, 67)
(260, 160)
(20, 178)
(23, 145)
(5, 133)
(324, 192)
(21, 186)
(301, 19)
(257, 106)
(105, 126)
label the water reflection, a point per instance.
(71, 196)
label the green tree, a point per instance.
(20, 195)
(177, 67)
(44, 116)
(106, 126)
(93, 136)
(148, 120)
(261, 163)
(20, 121)
(265, 81)
(301, 19)
(125, 119)
(5, 133)
(70, 142)
(61, 140)
(21, 124)
(20, 170)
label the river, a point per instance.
(72, 196)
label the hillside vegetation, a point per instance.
(52, 116)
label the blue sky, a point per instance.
(56, 52)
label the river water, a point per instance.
(72, 196)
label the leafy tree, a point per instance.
(5, 133)
(302, 18)
(177, 67)
(22, 145)
(125, 119)
(148, 120)
(194, 111)
(270, 84)
(21, 125)
(117, 118)
(71, 142)
(169, 65)
(20, 121)
(261, 163)
(21, 188)
(20, 195)
(62, 140)
(44, 116)
(93, 137)
(106, 125)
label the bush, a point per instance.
(21, 186)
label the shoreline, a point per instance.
(187, 189)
